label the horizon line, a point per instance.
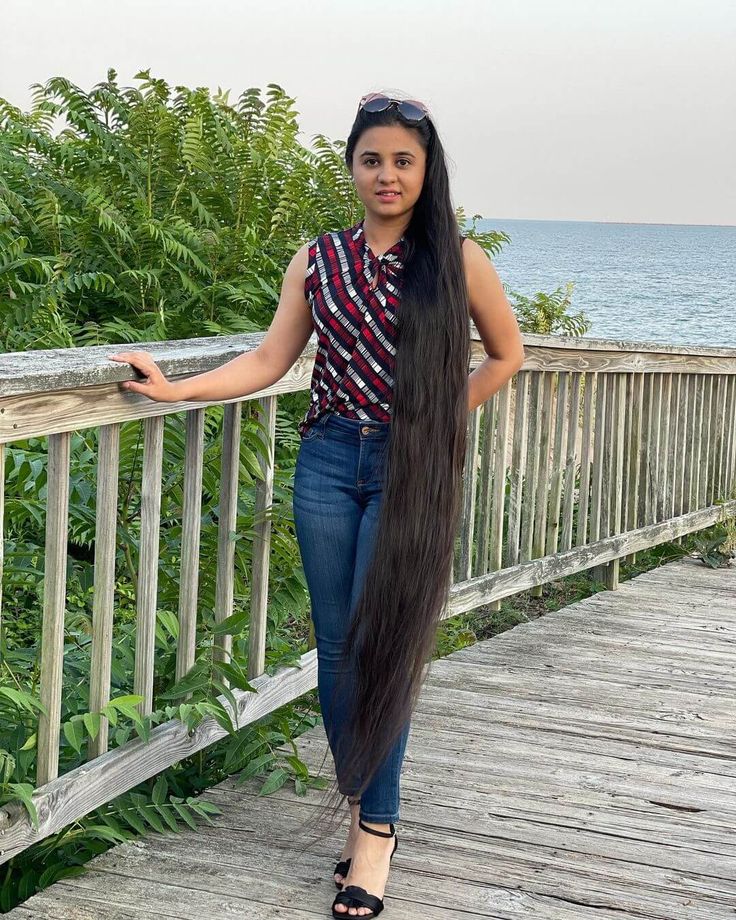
(573, 220)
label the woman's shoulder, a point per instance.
(334, 237)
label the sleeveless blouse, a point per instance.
(355, 325)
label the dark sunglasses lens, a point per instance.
(411, 112)
(378, 104)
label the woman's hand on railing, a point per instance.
(156, 387)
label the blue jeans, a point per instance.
(338, 486)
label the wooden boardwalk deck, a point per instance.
(579, 766)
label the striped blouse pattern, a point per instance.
(355, 325)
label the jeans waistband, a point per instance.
(354, 428)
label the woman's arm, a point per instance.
(496, 323)
(248, 373)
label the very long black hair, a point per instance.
(393, 632)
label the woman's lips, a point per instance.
(388, 196)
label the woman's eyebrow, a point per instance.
(375, 153)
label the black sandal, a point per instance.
(354, 895)
(343, 867)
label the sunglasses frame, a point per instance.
(370, 97)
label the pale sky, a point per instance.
(548, 109)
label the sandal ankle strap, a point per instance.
(372, 830)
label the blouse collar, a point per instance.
(393, 255)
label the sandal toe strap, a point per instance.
(363, 899)
(342, 868)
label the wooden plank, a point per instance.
(616, 493)
(635, 408)
(699, 451)
(499, 483)
(708, 433)
(2, 533)
(464, 568)
(539, 547)
(689, 472)
(542, 475)
(46, 370)
(674, 459)
(147, 581)
(54, 607)
(544, 777)
(589, 384)
(190, 538)
(518, 452)
(262, 539)
(103, 597)
(531, 468)
(573, 421)
(719, 423)
(227, 524)
(599, 450)
(663, 449)
(730, 486)
(485, 483)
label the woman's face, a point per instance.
(389, 158)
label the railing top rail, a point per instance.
(70, 368)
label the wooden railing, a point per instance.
(593, 451)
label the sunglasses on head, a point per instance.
(410, 109)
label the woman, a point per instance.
(378, 480)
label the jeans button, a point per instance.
(365, 429)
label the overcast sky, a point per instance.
(549, 109)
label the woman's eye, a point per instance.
(373, 160)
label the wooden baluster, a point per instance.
(682, 444)
(720, 437)
(542, 474)
(531, 467)
(655, 459)
(673, 457)
(573, 424)
(690, 447)
(558, 464)
(54, 606)
(190, 538)
(228, 504)
(499, 482)
(719, 418)
(600, 502)
(590, 383)
(470, 482)
(645, 512)
(636, 486)
(262, 542)
(485, 485)
(103, 600)
(147, 585)
(663, 470)
(616, 441)
(729, 486)
(708, 431)
(518, 451)
(700, 425)
(597, 474)
(626, 410)
(2, 540)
